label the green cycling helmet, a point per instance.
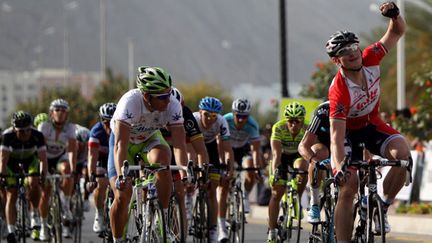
(39, 118)
(21, 119)
(153, 79)
(294, 110)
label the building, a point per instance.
(17, 87)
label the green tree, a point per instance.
(321, 80)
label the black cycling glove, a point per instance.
(393, 12)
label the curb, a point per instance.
(406, 224)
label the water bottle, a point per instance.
(363, 207)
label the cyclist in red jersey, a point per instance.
(354, 113)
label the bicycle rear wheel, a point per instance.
(77, 210)
(54, 219)
(176, 221)
(106, 234)
(377, 211)
(201, 219)
(236, 216)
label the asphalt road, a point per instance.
(256, 231)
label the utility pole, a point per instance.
(131, 63)
(401, 100)
(283, 49)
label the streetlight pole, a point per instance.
(401, 64)
(131, 63)
(283, 49)
(102, 15)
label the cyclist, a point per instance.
(24, 145)
(354, 112)
(286, 136)
(314, 147)
(245, 138)
(216, 136)
(39, 118)
(139, 115)
(97, 162)
(61, 152)
(82, 136)
(194, 138)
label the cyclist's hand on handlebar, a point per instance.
(91, 184)
(342, 177)
(120, 183)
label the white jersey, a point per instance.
(219, 127)
(143, 123)
(57, 145)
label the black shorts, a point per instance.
(240, 153)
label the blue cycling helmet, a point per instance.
(210, 104)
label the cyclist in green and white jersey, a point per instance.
(286, 136)
(135, 125)
(24, 145)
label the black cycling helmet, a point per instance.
(338, 41)
(21, 119)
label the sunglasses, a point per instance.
(212, 115)
(59, 110)
(296, 121)
(348, 49)
(240, 116)
(164, 96)
(27, 129)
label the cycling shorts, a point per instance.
(134, 149)
(31, 167)
(241, 154)
(288, 161)
(213, 153)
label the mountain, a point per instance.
(223, 41)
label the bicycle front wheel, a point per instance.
(134, 226)
(54, 219)
(21, 219)
(157, 225)
(329, 205)
(201, 219)
(294, 216)
(378, 233)
(236, 216)
(176, 220)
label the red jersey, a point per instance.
(348, 101)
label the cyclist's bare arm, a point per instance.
(228, 153)
(305, 146)
(256, 157)
(200, 150)
(4, 155)
(42, 155)
(276, 147)
(337, 138)
(395, 30)
(72, 153)
(179, 145)
(121, 133)
(93, 156)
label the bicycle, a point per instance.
(324, 231)
(146, 218)
(289, 223)
(22, 217)
(236, 215)
(55, 208)
(77, 212)
(374, 206)
(199, 225)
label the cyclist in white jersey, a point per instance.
(217, 139)
(246, 142)
(139, 115)
(61, 151)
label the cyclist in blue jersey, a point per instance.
(245, 140)
(97, 162)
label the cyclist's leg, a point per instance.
(278, 189)
(180, 191)
(11, 198)
(119, 207)
(99, 193)
(301, 164)
(67, 184)
(344, 207)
